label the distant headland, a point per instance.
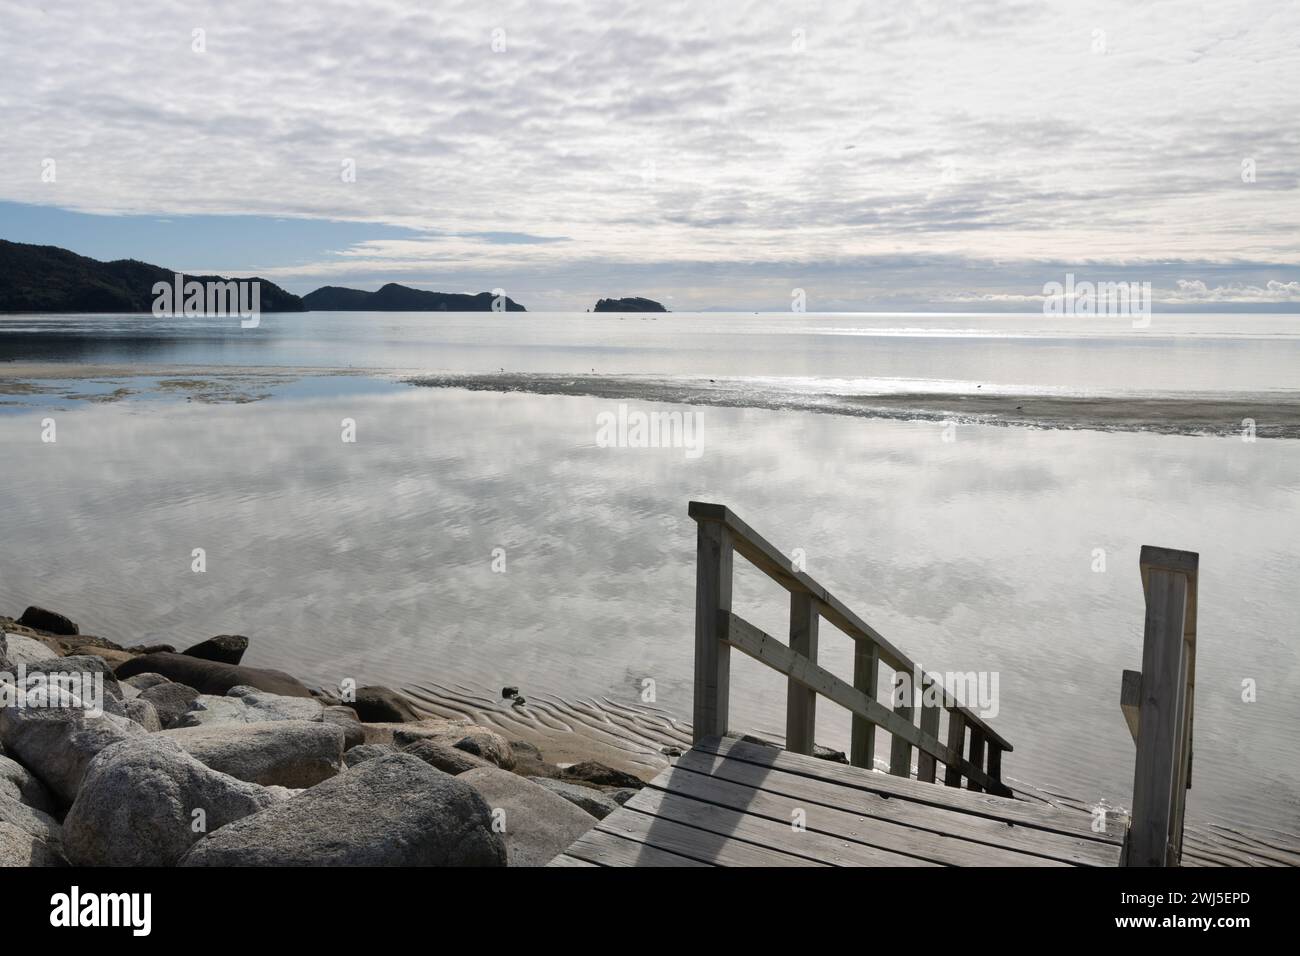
(400, 298)
(630, 304)
(49, 279)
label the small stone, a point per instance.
(507, 692)
(445, 758)
(51, 622)
(225, 648)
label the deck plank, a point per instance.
(926, 845)
(967, 826)
(715, 849)
(606, 849)
(1020, 812)
(773, 834)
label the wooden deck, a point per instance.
(730, 802)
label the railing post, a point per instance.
(1165, 698)
(976, 757)
(866, 675)
(900, 751)
(925, 762)
(801, 701)
(957, 744)
(713, 559)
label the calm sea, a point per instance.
(479, 538)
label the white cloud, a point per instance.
(675, 133)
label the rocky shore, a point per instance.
(146, 756)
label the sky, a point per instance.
(910, 155)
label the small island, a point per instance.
(630, 304)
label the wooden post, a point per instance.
(925, 762)
(866, 675)
(976, 757)
(956, 743)
(713, 559)
(900, 751)
(1163, 741)
(801, 701)
(995, 770)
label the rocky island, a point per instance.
(629, 304)
(143, 756)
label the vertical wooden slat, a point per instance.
(866, 675)
(976, 756)
(1159, 774)
(925, 763)
(801, 701)
(995, 770)
(957, 744)
(900, 751)
(713, 561)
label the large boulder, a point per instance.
(58, 742)
(363, 752)
(247, 705)
(144, 714)
(225, 648)
(18, 649)
(444, 758)
(539, 825)
(171, 701)
(20, 848)
(145, 802)
(393, 810)
(593, 801)
(18, 782)
(382, 705)
(595, 774)
(345, 719)
(213, 677)
(51, 622)
(489, 745)
(286, 753)
(30, 820)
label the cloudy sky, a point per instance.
(894, 155)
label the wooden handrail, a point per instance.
(720, 533)
(1159, 705)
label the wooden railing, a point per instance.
(1158, 704)
(718, 629)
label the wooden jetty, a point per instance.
(732, 801)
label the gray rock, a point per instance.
(143, 713)
(87, 670)
(382, 705)
(443, 757)
(248, 705)
(20, 848)
(226, 648)
(286, 753)
(145, 681)
(138, 803)
(19, 782)
(539, 825)
(212, 677)
(57, 743)
(51, 622)
(38, 823)
(622, 795)
(593, 801)
(18, 649)
(393, 810)
(345, 719)
(363, 752)
(171, 700)
(594, 773)
(489, 745)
